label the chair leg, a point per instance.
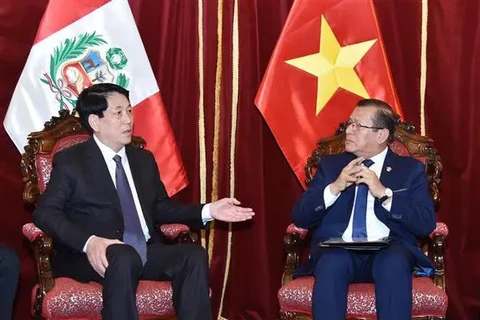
(37, 307)
(287, 315)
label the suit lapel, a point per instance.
(350, 197)
(101, 174)
(135, 168)
(387, 176)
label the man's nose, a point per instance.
(349, 129)
(127, 117)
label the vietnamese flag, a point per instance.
(329, 55)
(82, 42)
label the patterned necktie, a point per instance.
(133, 234)
(360, 210)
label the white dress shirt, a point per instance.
(108, 155)
(375, 228)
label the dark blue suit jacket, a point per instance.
(411, 215)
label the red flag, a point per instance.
(330, 54)
(79, 43)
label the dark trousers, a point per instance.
(186, 265)
(9, 273)
(390, 269)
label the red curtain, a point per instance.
(263, 179)
(453, 92)
(453, 70)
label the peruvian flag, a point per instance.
(80, 43)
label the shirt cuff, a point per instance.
(86, 244)
(388, 206)
(206, 217)
(328, 197)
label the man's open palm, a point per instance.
(228, 210)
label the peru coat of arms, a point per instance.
(80, 62)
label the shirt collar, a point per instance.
(380, 158)
(107, 152)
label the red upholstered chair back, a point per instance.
(43, 161)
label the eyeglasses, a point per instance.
(357, 125)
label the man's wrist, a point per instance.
(334, 190)
(328, 197)
(86, 244)
(385, 195)
(206, 213)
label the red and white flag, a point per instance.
(80, 43)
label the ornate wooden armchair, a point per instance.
(64, 298)
(429, 297)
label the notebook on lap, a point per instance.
(362, 244)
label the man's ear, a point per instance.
(382, 136)
(93, 122)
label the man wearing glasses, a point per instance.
(365, 194)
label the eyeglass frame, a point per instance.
(358, 125)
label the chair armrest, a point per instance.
(31, 232)
(179, 233)
(293, 242)
(300, 232)
(43, 251)
(437, 251)
(440, 230)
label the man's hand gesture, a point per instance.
(227, 209)
(367, 176)
(347, 177)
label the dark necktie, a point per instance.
(360, 210)
(133, 234)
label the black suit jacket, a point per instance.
(81, 200)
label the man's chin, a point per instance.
(349, 147)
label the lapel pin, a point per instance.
(389, 169)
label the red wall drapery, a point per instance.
(263, 179)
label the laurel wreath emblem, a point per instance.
(117, 61)
(116, 58)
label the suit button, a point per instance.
(119, 231)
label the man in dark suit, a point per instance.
(101, 206)
(9, 273)
(367, 192)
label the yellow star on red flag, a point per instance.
(305, 77)
(334, 66)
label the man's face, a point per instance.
(115, 128)
(361, 141)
